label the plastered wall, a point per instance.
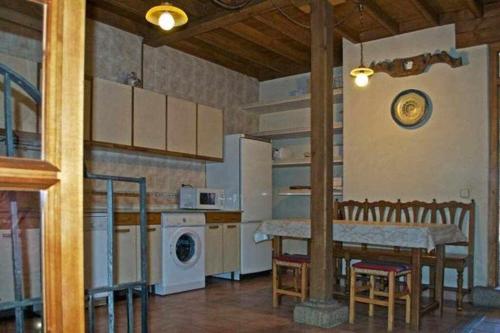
(446, 156)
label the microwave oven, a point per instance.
(201, 198)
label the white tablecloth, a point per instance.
(425, 236)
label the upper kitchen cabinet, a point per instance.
(111, 112)
(181, 126)
(210, 127)
(117, 116)
(150, 119)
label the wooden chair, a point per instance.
(451, 212)
(300, 265)
(390, 271)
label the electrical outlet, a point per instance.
(465, 193)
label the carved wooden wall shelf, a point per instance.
(402, 67)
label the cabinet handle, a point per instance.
(151, 229)
(7, 235)
(231, 226)
(122, 230)
(213, 227)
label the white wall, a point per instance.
(447, 154)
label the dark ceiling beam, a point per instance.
(116, 20)
(261, 39)
(221, 20)
(475, 7)
(205, 51)
(210, 23)
(248, 51)
(342, 29)
(293, 31)
(384, 19)
(427, 11)
(21, 19)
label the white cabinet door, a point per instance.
(30, 246)
(181, 126)
(6, 277)
(213, 250)
(111, 112)
(154, 257)
(150, 119)
(125, 252)
(95, 252)
(210, 137)
(231, 251)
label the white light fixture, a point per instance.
(166, 16)
(166, 21)
(361, 73)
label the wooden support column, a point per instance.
(321, 310)
(322, 150)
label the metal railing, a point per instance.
(141, 287)
(20, 303)
(129, 287)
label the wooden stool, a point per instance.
(391, 271)
(300, 265)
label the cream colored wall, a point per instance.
(448, 154)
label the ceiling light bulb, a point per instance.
(166, 21)
(361, 80)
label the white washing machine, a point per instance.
(183, 253)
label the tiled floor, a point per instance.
(245, 306)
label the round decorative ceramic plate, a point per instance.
(410, 108)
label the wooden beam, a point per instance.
(342, 30)
(21, 19)
(105, 15)
(221, 20)
(246, 50)
(384, 19)
(200, 49)
(62, 230)
(493, 195)
(427, 11)
(475, 7)
(322, 151)
(255, 36)
(306, 7)
(277, 21)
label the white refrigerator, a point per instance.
(246, 177)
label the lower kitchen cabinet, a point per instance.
(222, 248)
(213, 250)
(125, 254)
(231, 250)
(154, 251)
(30, 244)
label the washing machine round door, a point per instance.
(185, 247)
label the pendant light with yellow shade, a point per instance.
(361, 73)
(166, 16)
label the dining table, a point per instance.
(418, 237)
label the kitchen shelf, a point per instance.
(305, 192)
(299, 132)
(291, 103)
(286, 164)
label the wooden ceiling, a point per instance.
(261, 42)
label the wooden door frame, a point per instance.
(59, 174)
(493, 195)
